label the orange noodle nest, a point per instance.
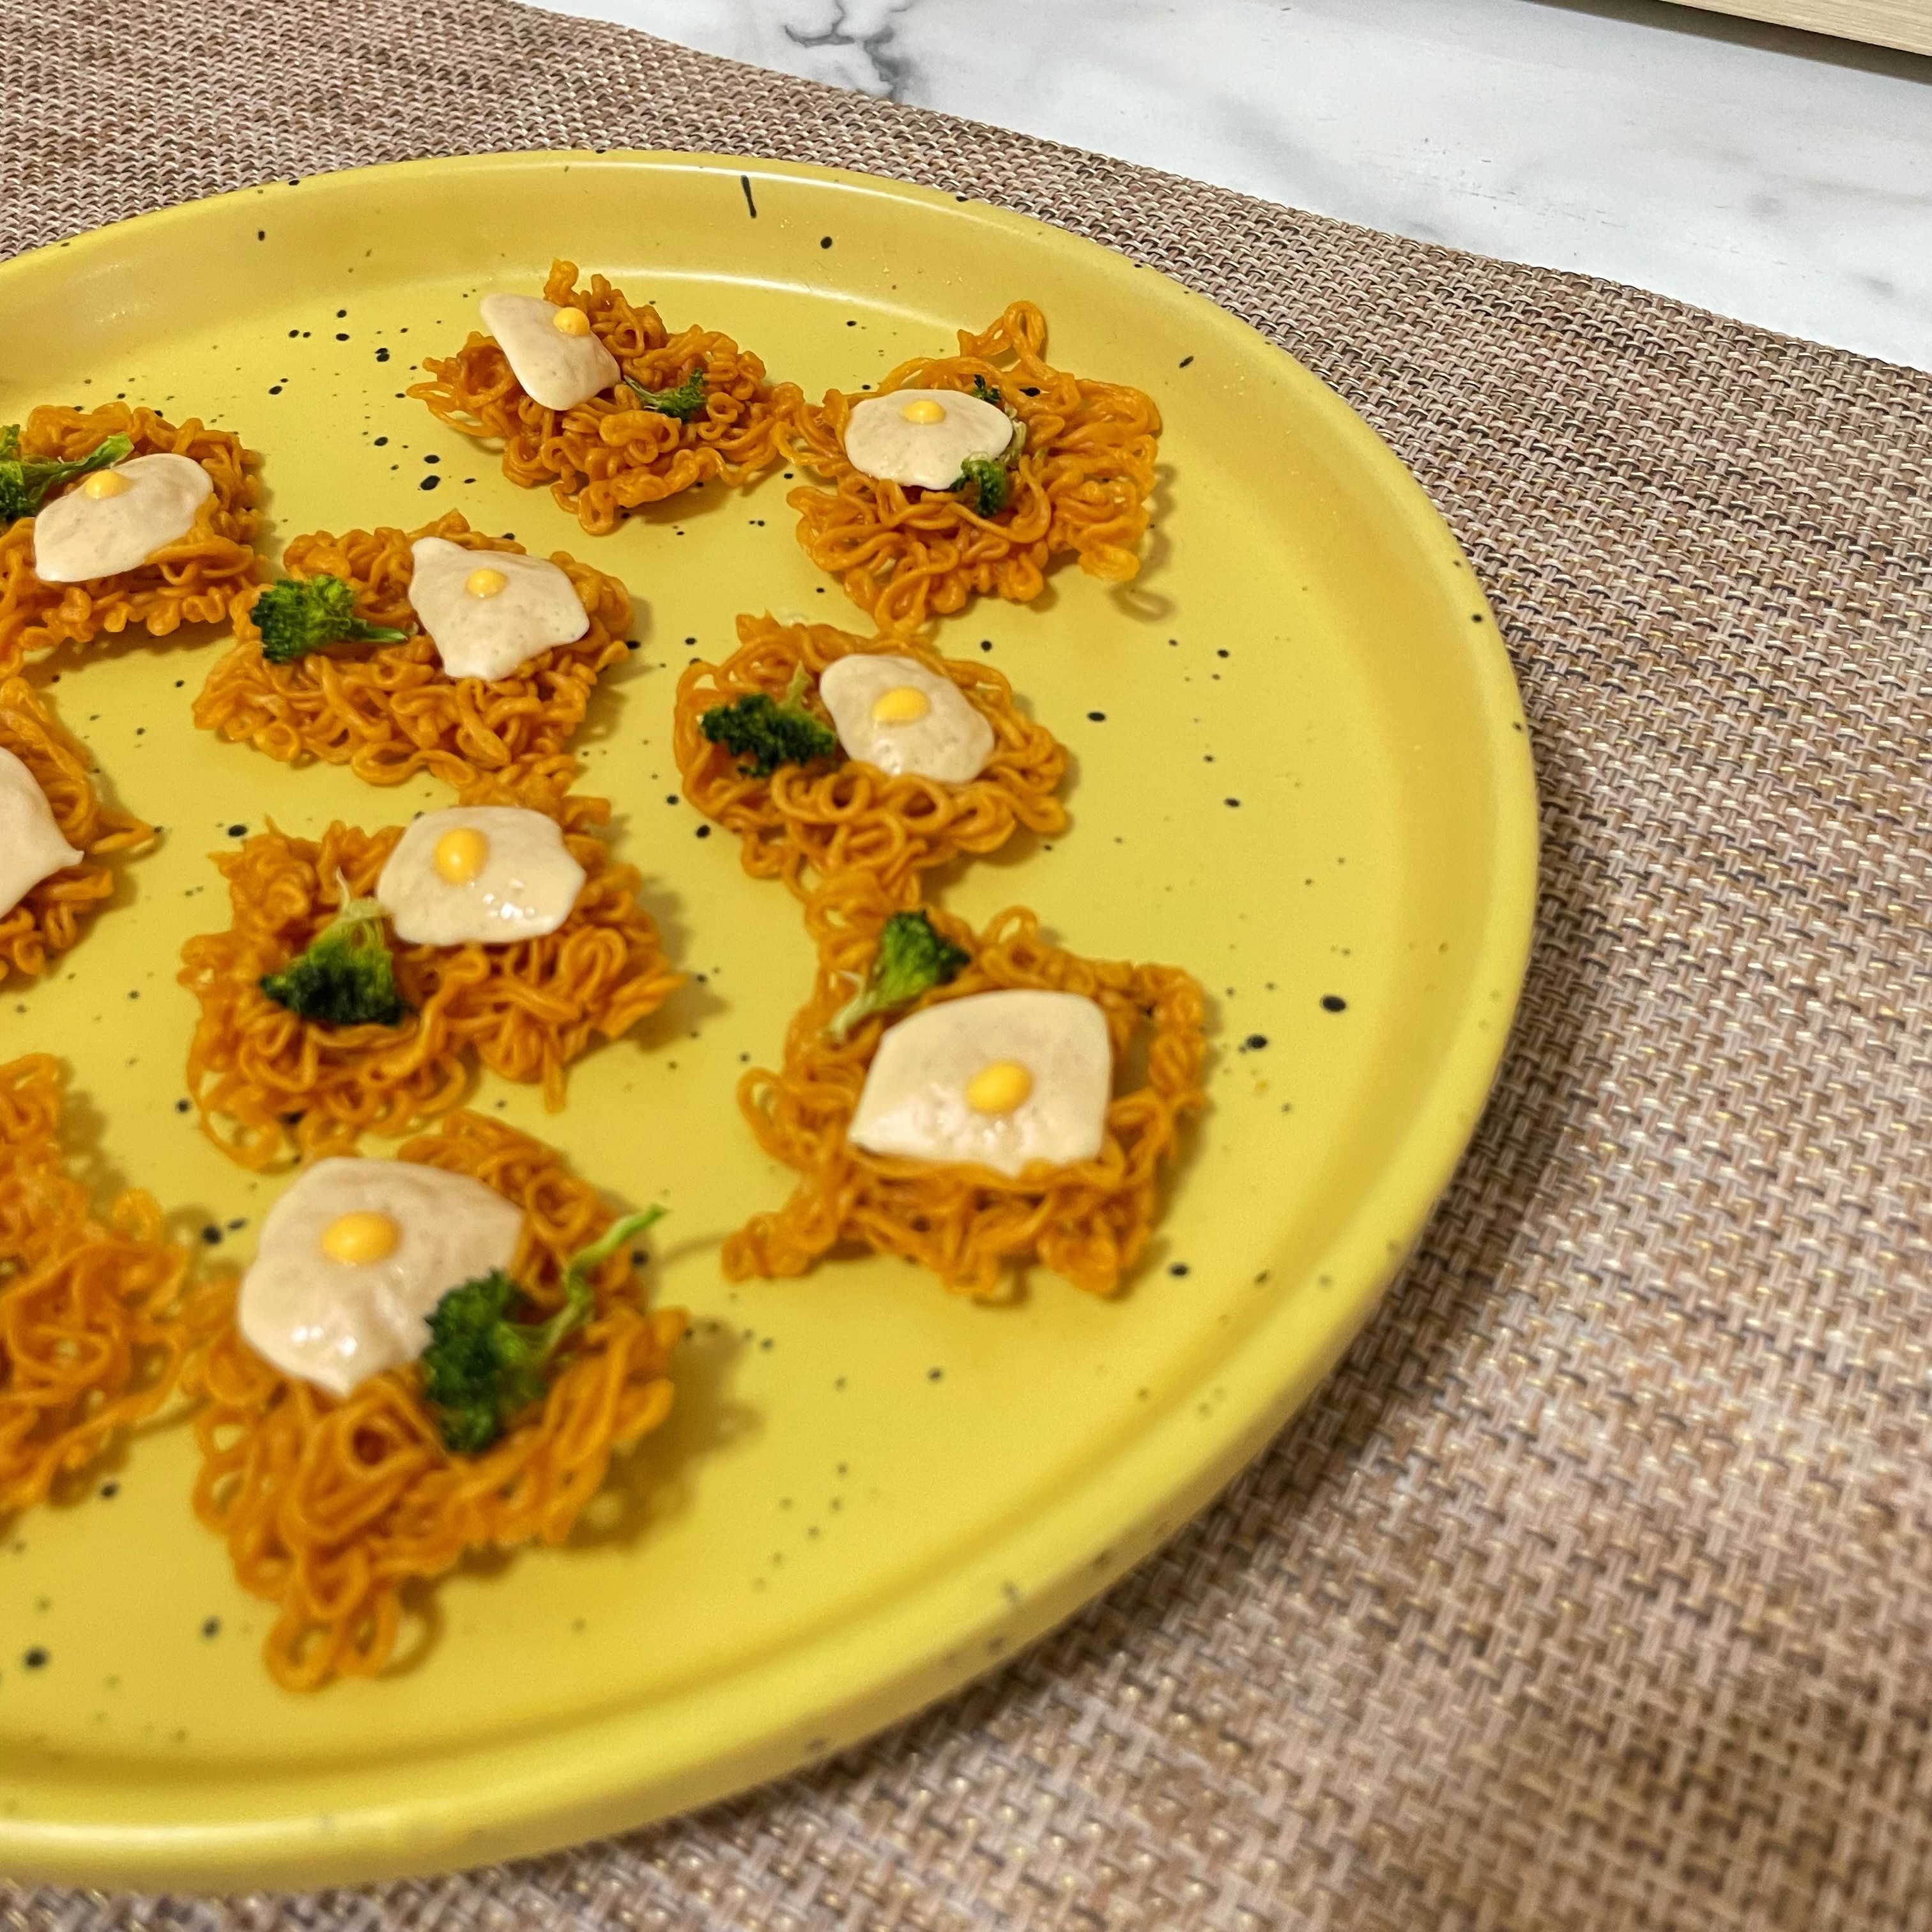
(610, 456)
(192, 581)
(812, 822)
(1081, 485)
(332, 1507)
(388, 711)
(94, 1320)
(49, 919)
(1088, 1221)
(270, 1086)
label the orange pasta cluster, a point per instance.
(809, 824)
(1088, 1220)
(49, 918)
(333, 1507)
(192, 581)
(269, 1086)
(95, 1321)
(1080, 486)
(611, 455)
(388, 711)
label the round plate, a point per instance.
(1300, 771)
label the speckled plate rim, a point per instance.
(869, 1671)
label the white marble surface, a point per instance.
(1773, 175)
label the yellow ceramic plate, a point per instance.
(1300, 771)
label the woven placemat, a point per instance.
(1593, 1590)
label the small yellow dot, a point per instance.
(925, 410)
(103, 484)
(485, 583)
(904, 704)
(356, 1240)
(571, 321)
(460, 854)
(998, 1088)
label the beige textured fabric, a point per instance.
(1596, 1589)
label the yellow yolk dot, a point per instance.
(485, 582)
(571, 321)
(104, 483)
(460, 855)
(904, 704)
(998, 1088)
(356, 1240)
(925, 410)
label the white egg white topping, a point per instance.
(31, 848)
(488, 611)
(922, 436)
(894, 713)
(114, 520)
(998, 1080)
(559, 367)
(354, 1257)
(497, 873)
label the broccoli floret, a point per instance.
(302, 613)
(684, 402)
(912, 959)
(765, 736)
(480, 1369)
(344, 976)
(25, 480)
(987, 477)
(987, 393)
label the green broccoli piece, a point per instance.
(684, 402)
(765, 736)
(987, 477)
(912, 959)
(987, 393)
(344, 976)
(302, 613)
(25, 480)
(481, 1370)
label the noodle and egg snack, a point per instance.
(593, 395)
(355, 987)
(115, 517)
(393, 653)
(55, 833)
(969, 474)
(95, 1321)
(827, 753)
(432, 1354)
(955, 1100)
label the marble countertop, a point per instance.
(1777, 176)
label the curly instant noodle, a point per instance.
(1080, 486)
(49, 917)
(333, 1507)
(191, 581)
(806, 823)
(1088, 1220)
(388, 711)
(269, 1086)
(94, 1322)
(610, 455)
